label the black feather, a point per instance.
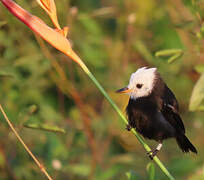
(170, 110)
(185, 144)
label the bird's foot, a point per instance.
(153, 153)
(128, 127)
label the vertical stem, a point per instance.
(42, 168)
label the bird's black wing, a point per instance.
(170, 110)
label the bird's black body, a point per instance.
(145, 119)
(156, 116)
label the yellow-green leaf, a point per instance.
(197, 94)
(44, 127)
(173, 58)
(168, 52)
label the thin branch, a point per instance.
(42, 168)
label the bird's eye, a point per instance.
(139, 86)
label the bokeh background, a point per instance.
(45, 94)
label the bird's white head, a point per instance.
(141, 83)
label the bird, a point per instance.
(153, 110)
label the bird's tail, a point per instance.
(185, 144)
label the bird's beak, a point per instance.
(124, 90)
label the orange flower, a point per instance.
(50, 8)
(54, 37)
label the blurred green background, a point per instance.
(45, 94)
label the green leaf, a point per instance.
(132, 175)
(173, 58)
(151, 171)
(44, 127)
(197, 94)
(168, 52)
(173, 53)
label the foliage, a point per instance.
(39, 88)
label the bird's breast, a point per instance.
(147, 120)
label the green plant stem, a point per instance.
(115, 107)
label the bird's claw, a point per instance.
(153, 153)
(128, 127)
